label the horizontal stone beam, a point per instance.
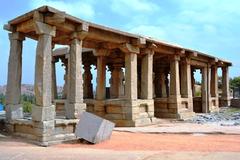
(25, 27)
(55, 18)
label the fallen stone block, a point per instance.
(93, 129)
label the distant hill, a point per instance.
(27, 89)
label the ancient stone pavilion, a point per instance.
(149, 79)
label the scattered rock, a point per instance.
(225, 117)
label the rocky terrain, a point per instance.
(26, 89)
(226, 116)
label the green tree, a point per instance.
(2, 99)
(235, 82)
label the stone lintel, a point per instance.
(58, 18)
(102, 52)
(16, 36)
(43, 28)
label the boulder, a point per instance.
(93, 129)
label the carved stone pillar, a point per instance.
(225, 98)
(193, 82)
(13, 93)
(131, 76)
(65, 86)
(186, 88)
(157, 83)
(87, 85)
(101, 78)
(204, 89)
(75, 106)
(163, 85)
(174, 78)
(146, 76)
(214, 82)
(44, 110)
(116, 81)
(54, 80)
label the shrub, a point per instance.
(27, 106)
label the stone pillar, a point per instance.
(87, 85)
(54, 80)
(121, 84)
(225, 99)
(75, 106)
(116, 81)
(131, 76)
(174, 78)
(157, 83)
(193, 82)
(65, 86)
(13, 93)
(209, 97)
(163, 85)
(167, 83)
(186, 83)
(214, 82)
(44, 110)
(146, 76)
(101, 78)
(204, 89)
(160, 83)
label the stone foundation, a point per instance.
(124, 113)
(54, 132)
(166, 108)
(235, 103)
(224, 102)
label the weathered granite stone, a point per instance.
(74, 110)
(40, 113)
(14, 111)
(131, 76)
(93, 128)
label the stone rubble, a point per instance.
(225, 117)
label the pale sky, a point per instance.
(210, 26)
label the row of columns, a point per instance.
(45, 70)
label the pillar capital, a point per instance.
(186, 60)
(129, 48)
(174, 57)
(43, 28)
(16, 36)
(79, 35)
(224, 68)
(147, 51)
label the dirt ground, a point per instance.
(124, 141)
(132, 146)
